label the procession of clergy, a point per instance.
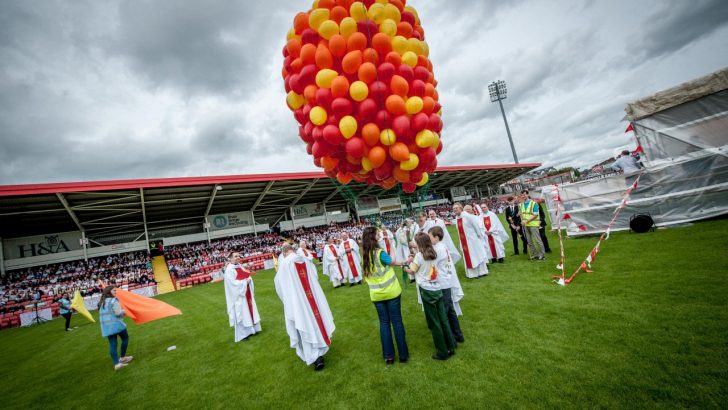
(308, 319)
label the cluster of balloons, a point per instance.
(360, 84)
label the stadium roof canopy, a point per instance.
(122, 207)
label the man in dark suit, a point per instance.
(514, 221)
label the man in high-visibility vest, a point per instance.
(531, 222)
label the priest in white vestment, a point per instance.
(387, 242)
(435, 221)
(240, 299)
(309, 322)
(303, 251)
(332, 261)
(351, 259)
(495, 234)
(472, 243)
(404, 236)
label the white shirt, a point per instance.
(424, 273)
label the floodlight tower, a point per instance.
(497, 90)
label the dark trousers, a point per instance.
(390, 315)
(544, 239)
(437, 322)
(514, 235)
(67, 316)
(452, 315)
(113, 345)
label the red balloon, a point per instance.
(401, 126)
(421, 73)
(384, 171)
(296, 85)
(417, 88)
(406, 72)
(368, 28)
(434, 123)
(341, 107)
(317, 133)
(383, 119)
(324, 97)
(378, 90)
(415, 176)
(439, 149)
(308, 128)
(318, 149)
(317, 161)
(309, 148)
(419, 122)
(300, 116)
(409, 187)
(307, 75)
(408, 17)
(367, 110)
(355, 147)
(332, 135)
(385, 71)
(309, 36)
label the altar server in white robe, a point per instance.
(240, 298)
(387, 242)
(333, 267)
(472, 244)
(303, 250)
(309, 322)
(435, 221)
(495, 234)
(404, 236)
(351, 259)
(452, 291)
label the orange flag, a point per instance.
(142, 309)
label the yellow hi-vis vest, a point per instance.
(383, 283)
(527, 213)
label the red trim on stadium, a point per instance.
(90, 186)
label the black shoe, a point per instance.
(405, 360)
(501, 260)
(438, 357)
(351, 285)
(412, 281)
(318, 364)
(548, 250)
(451, 352)
(461, 339)
(389, 362)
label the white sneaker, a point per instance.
(119, 366)
(126, 359)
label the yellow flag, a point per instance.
(78, 305)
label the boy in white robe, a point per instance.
(240, 299)
(472, 245)
(333, 267)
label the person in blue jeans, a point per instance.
(385, 292)
(66, 310)
(111, 316)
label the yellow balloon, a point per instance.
(425, 48)
(358, 11)
(295, 101)
(414, 46)
(376, 13)
(325, 77)
(392, 12)
(387, 137)
(358, 90)
(414, 105)
(328, 28)
(315, 4)
(365, 164)
(435, 140)
(424, 138)
(291, 33)
(424, 179)
(347, 126)
(399, 44)
(388, 27)
(317, 17)
(410, 59)
(317, 115)
(347, 27)
(411, 163)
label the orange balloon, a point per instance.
(421, 60)
(389, 183)
(393, 58)
(343, 177)
(436, 96)
(326, 4)
(284, 73)
(429, 90)
(300, 22)
(337, 45)
(420, 30)
(382, 43)
(296, 65)
(329, 163)
(309, 93)
(339, 87)
(324, 59)
(338, 13)
(398, 4)
(352, 61)
(353, 160)
(370, 55)
(404, 29)
(294, 46)
(370, 134)
(428, 105)
(395, 105)
(399, 152)
(377, 156)
(400, 175)
(367, 73)
(399, 85)
(357, 41)
(308, 54)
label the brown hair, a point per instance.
(369, 246)
(106, 294)
(437, 232)
(425, 246)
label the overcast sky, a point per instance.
(94, 90)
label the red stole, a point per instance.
(464, 244)
(338, 262)
(303, 277)
(491, 241)
(386, 242)
(242, 274)
(305, 252)
(350, 258)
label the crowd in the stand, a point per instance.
(27, 285)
